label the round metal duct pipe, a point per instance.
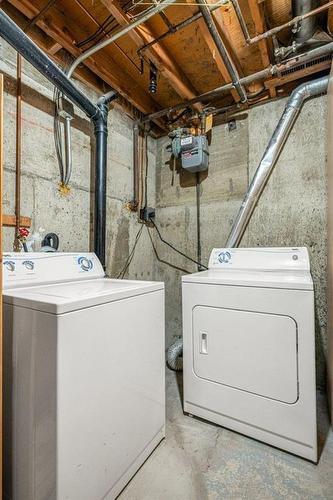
(272, 153)
(307, 26)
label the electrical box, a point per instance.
(194, 153)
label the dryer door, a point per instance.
(248, 351)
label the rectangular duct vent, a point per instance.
(306, 65)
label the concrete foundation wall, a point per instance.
(70, 216)
(291, 212)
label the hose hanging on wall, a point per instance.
(63, 110)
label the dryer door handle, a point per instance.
(203, 343)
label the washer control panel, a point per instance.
(24, 269)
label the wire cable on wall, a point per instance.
(176, 249)
(131, 254)
(162, 261)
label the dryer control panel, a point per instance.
(260, 258)
(24, 269)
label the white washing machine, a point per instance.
(249, 346)
(84, 377)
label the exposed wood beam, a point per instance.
(214, 52)
(54, 48)
(259, 25)
(219, 17)
(158, 54)
(10, 221)
(57, 53)
(330, 20)
(57, 26)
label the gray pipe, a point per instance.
(307, 26)
(272, 153)
(241, 20)
(208, 18)
(121, 32)
(68, 150)
(272, 70)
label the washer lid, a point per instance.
(61, 298)
(292, 280)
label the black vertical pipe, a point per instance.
(101, 138)
(97, 113)
(136, 166)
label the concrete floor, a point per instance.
(199, 461)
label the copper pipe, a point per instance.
(17, 245)
(19, 62)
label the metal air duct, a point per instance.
(272, 153)
(307, 27)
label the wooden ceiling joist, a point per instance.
(188, 59)
(226, 36)
(226, 78)
(157, 54)
(60, 28)
(55, 50)
(259, 25)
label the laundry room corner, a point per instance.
(166, 324)
(292, 208)
(68, 214)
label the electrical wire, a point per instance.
(131, 255)
(176, 249)
(102, 28)
(162, 261)
(107, 26)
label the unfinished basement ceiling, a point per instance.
(187, 61)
